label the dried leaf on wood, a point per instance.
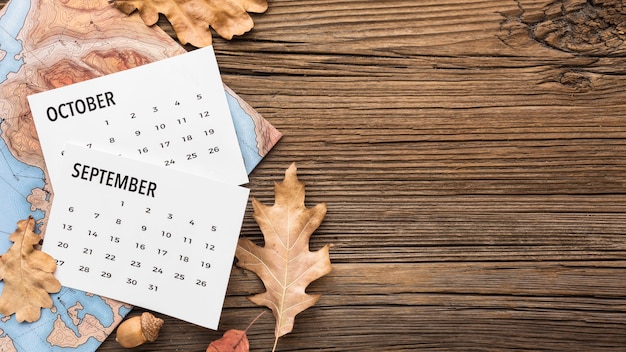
(27, 274)
(285, 263)
(191, 18)
(233, 340)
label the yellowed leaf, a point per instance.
(191, 19)
(285, 264)
(27, 274)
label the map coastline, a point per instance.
(48, 44)
(11, 27)
(24, 177)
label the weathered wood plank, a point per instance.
(472, 157)
(398, 307)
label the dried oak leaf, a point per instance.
(191, 18)
(285, 264)
(27, 274)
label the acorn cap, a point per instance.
(150, 326)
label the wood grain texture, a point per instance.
(472, 155)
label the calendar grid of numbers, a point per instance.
(148, 204)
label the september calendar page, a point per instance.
(172, 113)
(143, 234)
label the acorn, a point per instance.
(138, 330)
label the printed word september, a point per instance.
(113, 179)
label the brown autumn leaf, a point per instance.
(233, 340)
(285, 264)
(27, 274)
(191, 18)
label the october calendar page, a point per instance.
(172, 113)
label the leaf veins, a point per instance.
(285, 264)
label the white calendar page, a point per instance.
(144, 234)
(172, 113)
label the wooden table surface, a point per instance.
(473, 158)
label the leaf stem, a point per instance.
(253, 321)
(275, 344)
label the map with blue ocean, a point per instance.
(78, 320)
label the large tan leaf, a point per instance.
(191, 18)
(285, 263)
(27, 274)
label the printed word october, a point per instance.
(80, 106)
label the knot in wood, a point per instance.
(575, 80)
(584, 27)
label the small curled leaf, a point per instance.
(233, 340)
